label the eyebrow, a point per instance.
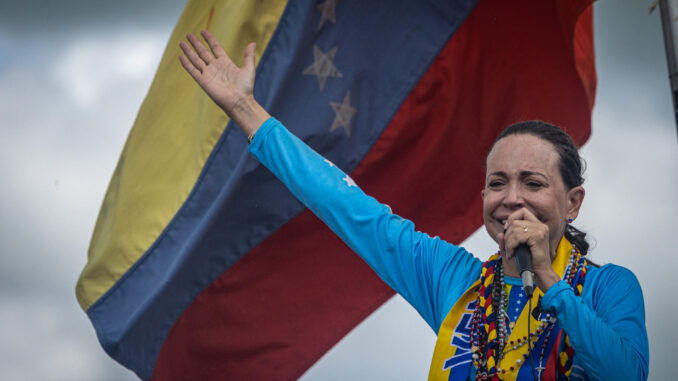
(522, 174)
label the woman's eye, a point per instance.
(495, 184)
(534, 184)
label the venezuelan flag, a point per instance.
(203, 266)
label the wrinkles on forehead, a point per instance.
(523, 155)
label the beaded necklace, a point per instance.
(489, 333)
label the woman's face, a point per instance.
(522, 172)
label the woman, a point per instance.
(586, 322)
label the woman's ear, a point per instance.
(575, 197)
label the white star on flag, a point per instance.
(349, 181)
(327, 12)
(344, 113)
(322, 66)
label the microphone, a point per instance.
(524, 261)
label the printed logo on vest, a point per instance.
(461, 340)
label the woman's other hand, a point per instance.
(523, 227)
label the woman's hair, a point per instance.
(571, 165)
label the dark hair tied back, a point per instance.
(571, 165)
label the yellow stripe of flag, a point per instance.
(172, 137)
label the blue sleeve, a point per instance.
(606, 325)
(429, 273)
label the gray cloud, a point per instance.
(64, 125)
(42, 341)
(631, 60)
(625, 33)
(46, 17)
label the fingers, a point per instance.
(517, 229)
(520, 214)
(514, 235)
(193, 58)
(204, 54)
(534, 234)
(186, 63)
(214, 45)
(200, 56)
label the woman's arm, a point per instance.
(606, 326)
(428, 272)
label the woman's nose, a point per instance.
(513, 199)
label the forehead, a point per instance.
(523, 152)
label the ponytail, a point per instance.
(577, 238)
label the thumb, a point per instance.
(249, 56)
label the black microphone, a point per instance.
(524, 261)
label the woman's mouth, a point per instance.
(502, 221)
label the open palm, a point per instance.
(225, 82)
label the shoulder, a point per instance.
(611, 273)
(612, 283)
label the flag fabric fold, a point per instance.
(202, 265)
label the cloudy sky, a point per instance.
(72, 77)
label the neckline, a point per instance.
(513, 281)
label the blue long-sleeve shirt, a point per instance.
(606, 325)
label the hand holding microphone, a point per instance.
(527, 239)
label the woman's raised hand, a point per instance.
(230, 87)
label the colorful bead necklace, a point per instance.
(489, 333)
